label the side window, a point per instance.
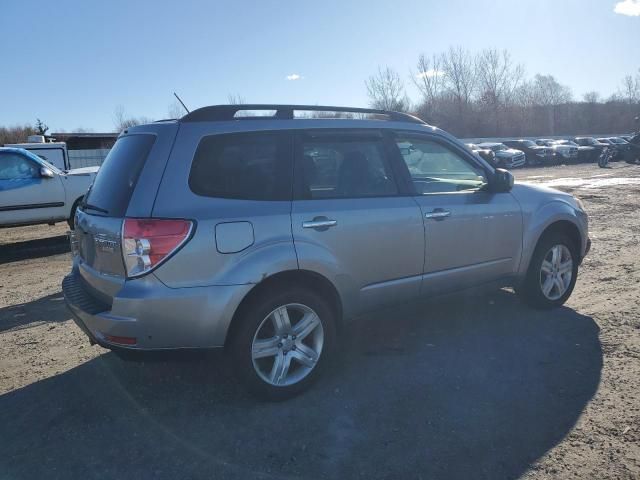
(434, 168)
(344, 166)
(15, 167)
(249, 166)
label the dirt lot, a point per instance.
(471, 386)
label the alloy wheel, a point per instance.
(287, 344)
(556, 272)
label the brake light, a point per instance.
(147, 242)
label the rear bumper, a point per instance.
(156, 316)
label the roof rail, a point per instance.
(221, 113)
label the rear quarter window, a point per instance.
(118, 175)
(248, 166)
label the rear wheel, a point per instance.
(552, 272)
(283, 342)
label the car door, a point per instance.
(352, 221)
(472, 235)
(26, 196)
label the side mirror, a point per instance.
(46, 172)
(502, 181)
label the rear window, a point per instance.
(112, 189)
(248, 166)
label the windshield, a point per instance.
(498, 148)
(43, 162)
(117, 177)
(617, 140)
(528, 143)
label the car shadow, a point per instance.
(49, 309)
(464, 387)
(37, 248)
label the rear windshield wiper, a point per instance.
(93, 207)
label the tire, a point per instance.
(72, 215)
(259, 320)
(531, 291)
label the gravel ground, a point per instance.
(469, 386)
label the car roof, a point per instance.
(21, 151)
(490, 144)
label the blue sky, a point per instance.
(72, 63)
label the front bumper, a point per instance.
(156, 316)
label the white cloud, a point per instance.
(430, 73)
(630, 8)
(294, 76)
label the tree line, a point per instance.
(487, 94)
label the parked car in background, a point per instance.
(598, 147)
(485, 153)
(563, 152)
(534, 154)
(33, 191)
(248, 244)
(505, 157)
(585, 152)
(618, 151)
(629, 151)
(54, 153)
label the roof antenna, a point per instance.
(181, 102)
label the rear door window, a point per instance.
(344, 166)
(112, 189)
(247, 166)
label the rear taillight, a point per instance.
(147, 242)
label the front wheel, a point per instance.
(552, 272)
(72, 216)
(283, 342)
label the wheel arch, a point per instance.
(564, 226)
(286, 279)
(72, 212)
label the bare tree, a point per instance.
(630, 91)
(549, 93)
(591, 97)
(498, 80)
(175, 110)
(121, 121)
(386, 91)
(235, 99)
(459, 74)
(16, 134)
(428, 79)
(460, 77)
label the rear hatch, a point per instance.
(100, 218)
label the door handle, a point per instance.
(320, 223)
(438, 214)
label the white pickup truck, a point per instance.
(34, 191)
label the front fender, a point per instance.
(537, 222)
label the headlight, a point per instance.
(579, 203)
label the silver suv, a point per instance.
(262, 228)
